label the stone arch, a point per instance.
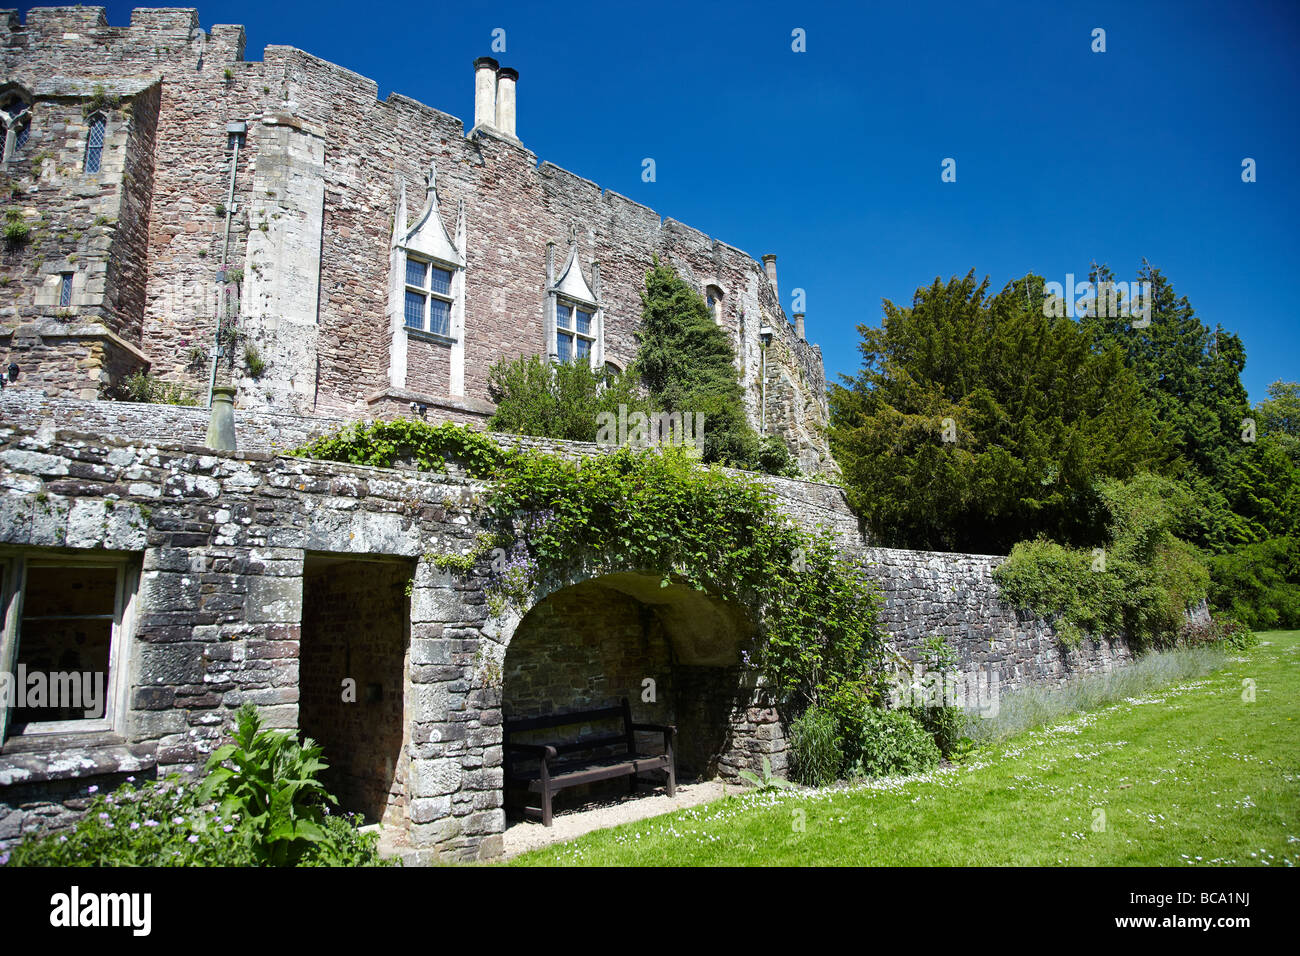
(460, 654)
(673, 651)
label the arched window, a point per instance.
(95, 144)
(713, 297)
(16, 114)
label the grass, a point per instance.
(1185, 775)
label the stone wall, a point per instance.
(241, 598)
(316, 190)
(229, 610)
(953, 596)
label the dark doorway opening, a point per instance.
(353, 675)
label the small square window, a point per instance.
(563, 316)
(584, 322)
(584, 348)
(564, 347)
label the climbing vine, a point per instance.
(549, 519)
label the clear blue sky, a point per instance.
(831, 158)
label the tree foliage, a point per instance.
(977, 421)
(687, 363)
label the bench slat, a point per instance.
(562, 720)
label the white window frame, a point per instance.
(572, 333)
(16, 124)
(429, 294)
(13, 583)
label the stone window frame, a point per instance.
(571, 332)
(94, 121)
(13, 579)
(430, 294)
(714, 298)
(17, 126)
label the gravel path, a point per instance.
(570, 824)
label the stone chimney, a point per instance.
(506, 79)
(798, 326)
(769, 265)
(485, 93)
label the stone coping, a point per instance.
(70, 757)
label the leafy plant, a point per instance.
(99, 101)
(385, 444)
(939, 715)
(888, 743)
(142, 387)
(166, 823)
(16, 230)
(767, 781)
(557, 400)
(253, 360)
(815, 746)
(1139, 586)
(269, 778)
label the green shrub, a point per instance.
(1259, 583)
(429, 447)
(815, 745)
(142, 387)
(888, 743)
(264, 808)
(269, 779)
(16, 230)
(253, 360)
(1219, 630)
(1139, 586)
(557, 400)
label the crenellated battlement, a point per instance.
(156, 32)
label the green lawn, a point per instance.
(1191, 774)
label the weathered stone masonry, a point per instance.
(324, 174)
(230, 548)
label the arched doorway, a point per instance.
(674, 652)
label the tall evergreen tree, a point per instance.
(688, 365)
(978, 421)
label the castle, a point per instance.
(373, 257)
(368, 257)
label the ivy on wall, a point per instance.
(550, 519)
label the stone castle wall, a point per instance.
(316, 189)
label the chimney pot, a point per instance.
(769, 266)
(798, 326)
(485, 91)
(506, 80)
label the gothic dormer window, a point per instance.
(16, 114)
(428, 287)
(575, 316)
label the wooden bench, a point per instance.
(563, 765)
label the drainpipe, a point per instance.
(238, 129)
